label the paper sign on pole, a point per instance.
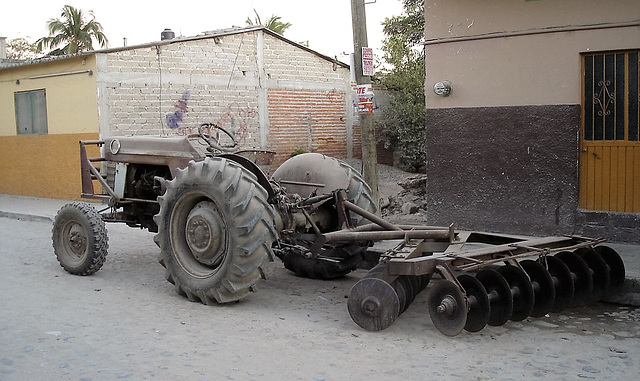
(367, 61)
(365, 98)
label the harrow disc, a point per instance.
(543, 289)
(478, 314)
(599, 271)
(373, 304)
(615, 265)
(415, 283)
(521, 290)
(581, 275)
(500, 298)
(405, 292)
(447, 307)
(562, 283)
(423, 281)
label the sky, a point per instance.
(324, 24)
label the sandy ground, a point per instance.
(126, 322)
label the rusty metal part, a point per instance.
(599, 271)
(478, 301)
(521, 291)
(581, 275)
(563, 283)
(500, 298)
(543, 288)
(373, 302)
(447, 307)
(615, 265)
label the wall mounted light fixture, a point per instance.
(442, 88)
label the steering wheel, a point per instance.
(205, 133)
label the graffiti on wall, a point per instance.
(237, 118)
(175, 118)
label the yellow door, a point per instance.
(610, 136)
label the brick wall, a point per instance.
(307, 120)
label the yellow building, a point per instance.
(45, 109)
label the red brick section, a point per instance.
(298, 118)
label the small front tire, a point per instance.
(80, 239)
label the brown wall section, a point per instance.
(42, 165)
(505, 169)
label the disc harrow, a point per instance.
(485, 279)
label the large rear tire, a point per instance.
(336, 261)
(215, 231)
(80, 239)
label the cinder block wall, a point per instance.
(270, 93)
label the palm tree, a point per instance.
(273, 23)
(72, 30)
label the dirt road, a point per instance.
(126, 322)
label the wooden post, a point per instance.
(367, 125)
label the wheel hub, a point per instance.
(77, 240)
(205, 233)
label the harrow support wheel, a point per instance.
(447, 307)
(521, 290)
(500, 298)
(615, 266)
(478, 314)
(543, 288)
(581, 275)
(562, 282)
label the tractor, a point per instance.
(220, 215)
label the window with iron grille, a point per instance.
(610, 144)
(31, 112)
(611, 102)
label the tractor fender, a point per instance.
(253, 168)
(312, 173)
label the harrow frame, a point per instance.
(494, 296)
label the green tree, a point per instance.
(403, 123)
(21, 49)
(75, 31)
(273, 23)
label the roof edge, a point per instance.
(203, 36)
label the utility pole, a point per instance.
(367, 125)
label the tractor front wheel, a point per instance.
(80, 239)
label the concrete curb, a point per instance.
(629, 294)
(25, 217)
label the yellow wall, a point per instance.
(42, 165)
(71, 99)
(48, 165)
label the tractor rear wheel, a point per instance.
(337, 260)
(80, 239)
(215, 231)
